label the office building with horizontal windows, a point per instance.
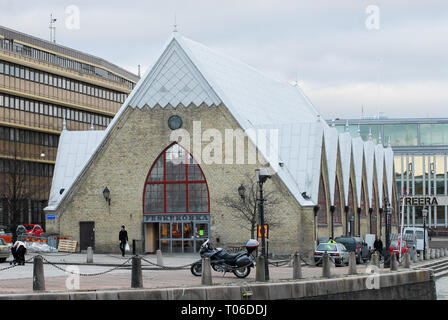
(420, 148)
(44, 87)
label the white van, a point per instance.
(418, 234)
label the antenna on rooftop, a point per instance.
(139, 71)
(175, 24)
(52, 29)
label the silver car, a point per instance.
(336, 251)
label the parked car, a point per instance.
(5, 250)
(337, 251)
(34, 230)
(394, 247)
(356, 245)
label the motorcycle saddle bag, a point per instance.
(243, 261)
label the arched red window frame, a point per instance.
(164, 182)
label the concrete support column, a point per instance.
(259, 270)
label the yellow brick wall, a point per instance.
(123, 164)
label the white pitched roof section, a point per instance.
(389, 168)
(369, 156)
(345, 148)
(74, 150)
(174, 80)
(358, 156)
(331, 153)
(300, 150)
(379, 164)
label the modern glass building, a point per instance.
(420, 160)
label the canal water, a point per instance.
(442, 288)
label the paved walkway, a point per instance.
(19, 278)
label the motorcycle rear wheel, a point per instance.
(196, 269)
(242, 272)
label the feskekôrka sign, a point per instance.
(424, 201)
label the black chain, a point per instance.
(167, 267)
(87, 274)
(16, 265)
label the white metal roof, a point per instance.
(188, 72)
(345, 150)
(331, 154)
(358, 162)
(74, 150)
(379, 166)
(369, 156)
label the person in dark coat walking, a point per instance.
(378, 245)
(123, 237)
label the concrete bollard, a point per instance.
(259, 269)
(352, 264)
(296, 267)
(437, 253)
(375, 260)
(326, 268)
(428, 254)
(206, 275)
(407, 260)
(136, 276)
(311, 261)
(159, 258)
(38, 274)
(420, 256)
(414, 256)
(442, 253)
(89, 255)
(446, 252)
(393, 262)
(432, 254)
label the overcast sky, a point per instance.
(347, 57)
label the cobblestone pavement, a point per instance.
(19, 279)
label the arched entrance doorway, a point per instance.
(176, 205)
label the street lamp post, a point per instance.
(263, 175)
(424, 213)
(387, 210)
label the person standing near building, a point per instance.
(123, 237)
(330, 240)
(378, 246)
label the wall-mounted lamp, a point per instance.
(432, 167)
(106, 194)
(410, 169)
(242, 192)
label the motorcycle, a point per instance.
(220, 260)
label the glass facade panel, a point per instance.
(434, 134)
(401, 134)
(367, 128)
